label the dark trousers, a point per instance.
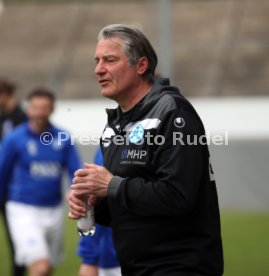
(16, 270)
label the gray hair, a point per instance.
(135, 45)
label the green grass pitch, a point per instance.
(245, 240)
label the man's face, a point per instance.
(39, 110)
(116, 77)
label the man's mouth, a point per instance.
(103, 82)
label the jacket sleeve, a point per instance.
(7, 161)
(178, 169)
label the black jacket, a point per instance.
(162, 202)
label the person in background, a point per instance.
(11, 115)
(32, 163)
(97, 252)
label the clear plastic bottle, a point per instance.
(86, 225)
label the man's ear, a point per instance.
(142, 65)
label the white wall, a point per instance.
(241, 167)
(243, 118)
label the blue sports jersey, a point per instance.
(31, 172)
(98, 249)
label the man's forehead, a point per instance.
(40, 99)
(107, 46)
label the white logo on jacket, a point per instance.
(179, 122)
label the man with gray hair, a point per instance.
(158, 195)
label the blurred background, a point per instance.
(215, 51)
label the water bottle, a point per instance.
(86, 225)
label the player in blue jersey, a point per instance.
(97, 252)
(32, 163)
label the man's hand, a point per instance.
(76, 206)
(91, 180)
(89, 183)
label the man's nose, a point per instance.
(100, 68)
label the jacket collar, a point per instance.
(160, 87)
